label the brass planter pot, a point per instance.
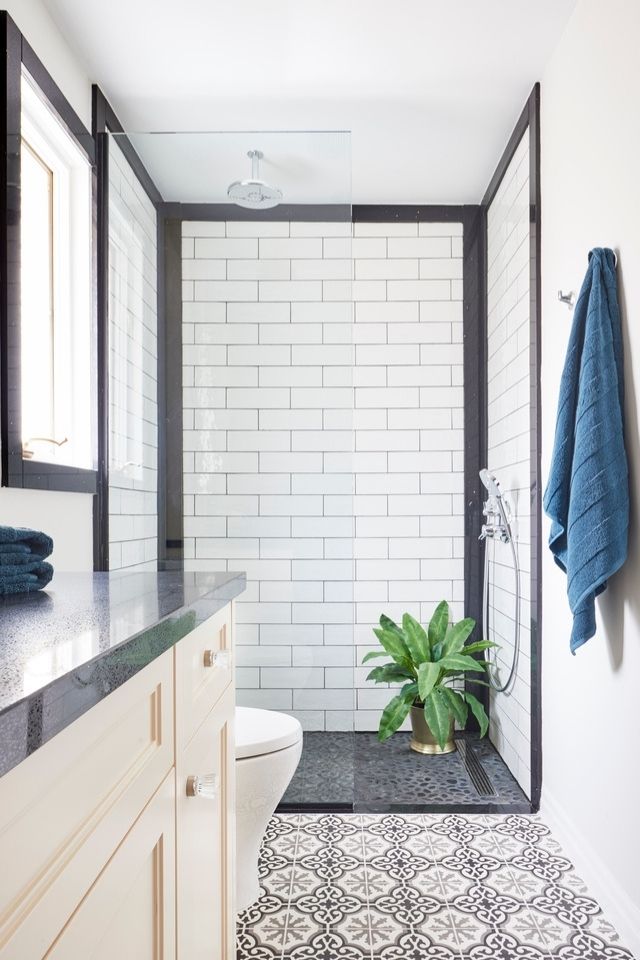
(423, 741)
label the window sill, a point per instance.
(38, 475)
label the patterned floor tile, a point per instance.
(414, 887)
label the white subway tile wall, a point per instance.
(508, 332)
(133, 407)
(324, 444)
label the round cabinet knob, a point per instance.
(217, 658)
(205, 786)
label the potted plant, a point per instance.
(427, 662)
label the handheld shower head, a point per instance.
(490, 482)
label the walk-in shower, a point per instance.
(330, 394)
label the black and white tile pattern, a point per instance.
(420, 887)
(354, 768)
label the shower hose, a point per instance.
(492, 672)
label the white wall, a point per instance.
(67, 517)
(133, 369)
(303, 429)
(591, 197)
(508, 393)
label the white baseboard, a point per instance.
(616, 903)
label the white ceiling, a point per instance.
(429, 88)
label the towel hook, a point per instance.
(566, 298)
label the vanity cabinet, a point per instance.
(117, 836)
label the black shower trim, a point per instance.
(15, 471)
(103, 122)
(529, 119)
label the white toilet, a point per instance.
(268, 749)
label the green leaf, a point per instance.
(393, 646)
(438, 716)
(459, 663)
(389, 673)
(438, 623)
(457, 705)
(478, 711)
(457, 635)
(374, 653)
(388, 624)
(410, 691)
(416, 639)
(393, 716)
(479, 646)
(428, 674)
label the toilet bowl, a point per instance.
(268, 749)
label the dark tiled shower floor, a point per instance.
(354, 770)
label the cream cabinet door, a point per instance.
(129, 912)
(205, 838)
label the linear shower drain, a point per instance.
(477, 774)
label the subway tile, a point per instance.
(324, 397)
(225, 419)
(258, 398)
(330, 228)
(256, 270)
(336, 312)
(321, 526)
(204, 312)
(337, 247)
(326, 355)
(321, 570)
(419, 289)
(420, 376)
(225, 290)
(257, 228)
(293, 247)
(291, 591)
(248, 483)
(290, 419)
(215, 248)
(291, 635)
(419, 504)
(441, 397)
(387, 397)
(386, 354)
(419, 333)
(372, 269)
(255, 526)
(313, 440)
(387, 569)
(291, 677)
(419, 247)
(365, 247)
(219, 376)
(406, 312)
(204, 270)
(203, 228)
(258, 312)
(371, 289)
(387, 440)
(292, 548)
(440, 311)
(290, 290)
(294, 506)
(420, 547)
(296, 462)
(291, 333)
(226, 333)
(254, 655)
(441, 269)
(222, 462)
(205, 354)
(439, 230)
(290, 376)
(321, 269)
(218, 505)
(259, 355)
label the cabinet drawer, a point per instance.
(65, 808)
(203, 672)
(205, 840)
(129, 913)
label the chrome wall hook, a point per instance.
(566, 298)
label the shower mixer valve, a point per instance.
(495, 527)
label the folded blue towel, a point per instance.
(19, 539)
(37, 576)
(587, 495)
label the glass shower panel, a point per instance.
(259, 332)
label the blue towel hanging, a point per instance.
(587, 495)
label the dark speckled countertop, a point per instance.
(64, 649)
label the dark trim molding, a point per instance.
(105, 120)
(410, 213)
(315, 212)
(17, 472)
(529, 120)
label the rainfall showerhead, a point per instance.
(254, 193)
(490, 482)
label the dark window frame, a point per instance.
(15, 470)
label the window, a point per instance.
(56, 320)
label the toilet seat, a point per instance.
(259, 732)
